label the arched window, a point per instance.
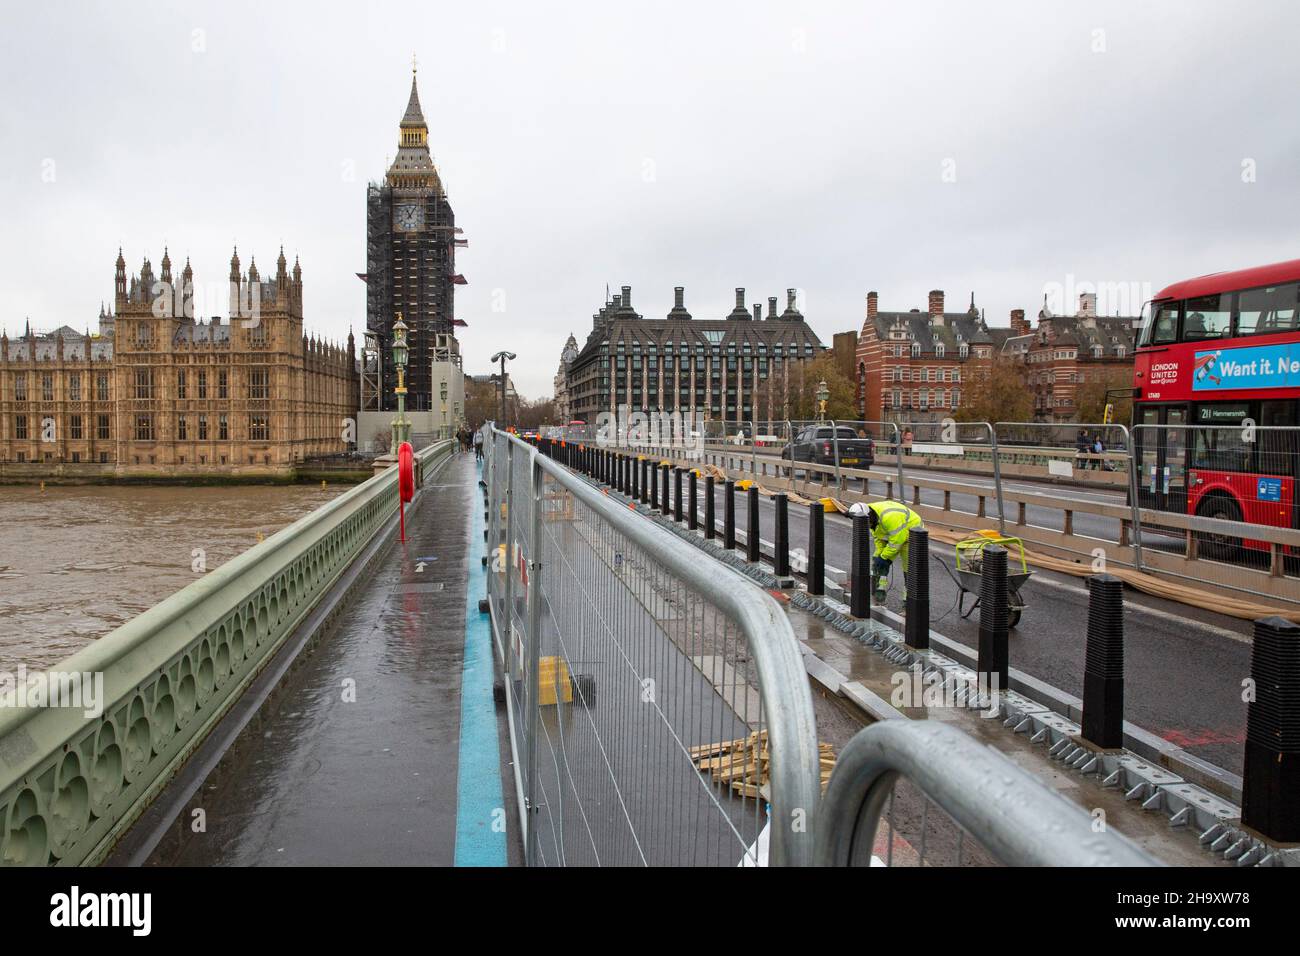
(916, 350)
(938, 350)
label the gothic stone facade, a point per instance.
(411, 243)
(158, 393)
(741, 368)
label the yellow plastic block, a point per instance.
(829, 504)
(552, 671)
(745, 484)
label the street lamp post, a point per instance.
(502, 357)
(823, 396)
(445, 430)
(401, 354)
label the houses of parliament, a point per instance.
(157, 392)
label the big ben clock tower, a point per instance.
(411, 240)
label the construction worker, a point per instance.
(891, 524)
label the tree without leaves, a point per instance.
(1091, 397)
(803, 401)
(997, 393)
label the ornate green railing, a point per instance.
(70, 785)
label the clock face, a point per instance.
(409, 217)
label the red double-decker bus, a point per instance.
(1215, 395)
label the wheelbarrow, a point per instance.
(970, 568)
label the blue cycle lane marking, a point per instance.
(480, 808)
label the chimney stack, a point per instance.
(791, 313)
(740, 311)
(872, 300)
(679, 304)
(627, 297)
(936, 302)
(771, 307)
(758, 311)
(1019, 326)
(1087, 304)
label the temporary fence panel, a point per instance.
(659, 705)
(1221, 501)
(923, 793)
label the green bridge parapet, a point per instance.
(72, 784)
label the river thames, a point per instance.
(78, 561)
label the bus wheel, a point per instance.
(1215, 545)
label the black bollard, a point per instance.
(636, 469)
(781, 536)
(654, 486)
(753, 540)
(1103, 663)
(916, 630)
(729, 515)
(677, 495)
(710, 522)
(991, 670)
(666, 503)
(693, 520)
(860, 568)
(816, 548)
(1270, 786)
(643, 480)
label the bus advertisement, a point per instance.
(1216, 393)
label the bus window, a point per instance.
(1209, 317)
(1279, 440)
(1263, 311)
(1144, 326)
(1164, 330)
(1221, 449)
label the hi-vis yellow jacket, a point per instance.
(896, 522)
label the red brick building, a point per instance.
(912, 366)
(1067, 351)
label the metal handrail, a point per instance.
(1019, 820)
(783, 681)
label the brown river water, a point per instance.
(77, 562)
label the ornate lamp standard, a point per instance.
(445, 430)
(503, 357)
(401, 353)
(823, 396)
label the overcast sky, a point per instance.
(1005, 148)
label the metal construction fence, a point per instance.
(659, 711)
(1196, 503)
(901, 793)
(922, 793)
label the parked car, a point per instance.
(816, 444)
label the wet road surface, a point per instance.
(1183, 665)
